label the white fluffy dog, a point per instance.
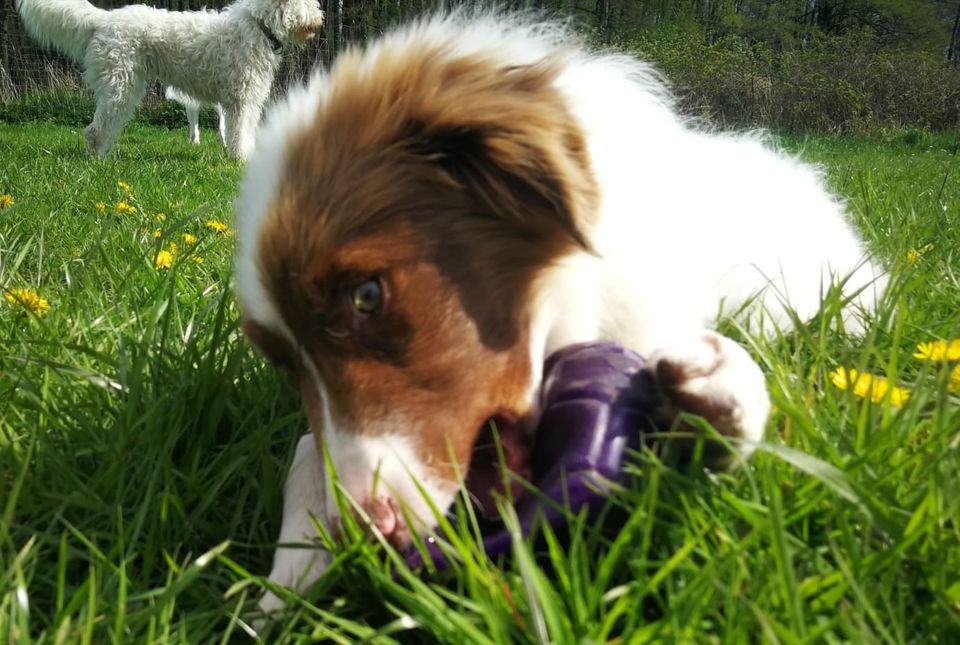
(192, 106)
(227, 57)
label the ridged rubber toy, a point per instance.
(596, 401)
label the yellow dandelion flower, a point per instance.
(197, 259)
(172, 247)
(161, 217)
(164, 260)
(877, 388)
(123, 208)
(125, 187)
(28, 299)
(839, 378)
(6, 200)
(101, 207)
(939, 351)
(157, 233)
(218, 226)
(913, 255)
(189, 238)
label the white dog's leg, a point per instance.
(714, 377)
(241, 129)
(118, 92)
(304, 499)
(193, 118)
(222, 125)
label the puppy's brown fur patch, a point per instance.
(454, 181)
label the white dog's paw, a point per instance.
(714, 378)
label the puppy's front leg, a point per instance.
(304, 499)
(714, 377)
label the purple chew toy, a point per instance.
(596, 400)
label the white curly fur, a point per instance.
(215, 57)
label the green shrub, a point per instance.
(833, 84)
(61, 106)
(75, 108)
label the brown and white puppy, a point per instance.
(420, 226)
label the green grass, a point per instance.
(143, 445)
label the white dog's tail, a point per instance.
(67, 25)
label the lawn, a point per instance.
(143, 444)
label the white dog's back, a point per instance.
(227, 57)
(70, 25)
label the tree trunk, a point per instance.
(603, 15)
(953, 54)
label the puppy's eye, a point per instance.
(367, 297)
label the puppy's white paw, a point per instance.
(296, 566)
(715, 378)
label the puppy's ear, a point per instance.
(272, 345)
(509, 139)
